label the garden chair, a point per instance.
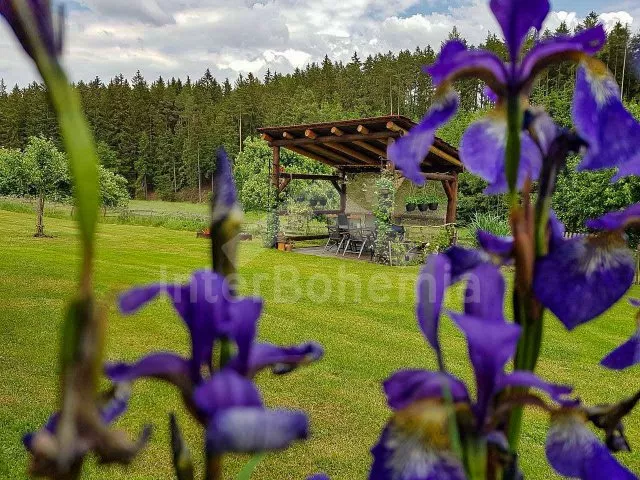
(343, 230)
(359, 240)
(335, 237)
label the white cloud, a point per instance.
(185, 37)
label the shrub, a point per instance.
(272, 229)
(490, 222)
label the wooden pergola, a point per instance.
(357, 146)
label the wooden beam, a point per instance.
(266, 138)
(360, 168)
(310, 134)
(445, 156)
(396, 128)
(326, 152)
(363, 130)
(443, 177)
(367, 146)
(351, 152)
(336, 131)
(310, 176)
(337, 139)
(287, 135)
(312, 155)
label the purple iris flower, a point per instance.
(39, 30)
(628, 354)
(574, 451)
(44, 445)
(583, 277)
(225, 195)
(444, 269)
(225, 400)
(598, 111)
(415, 444)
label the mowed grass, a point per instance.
(362, 313)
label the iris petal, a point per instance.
(599, 116)
(463, 260)
(531, 380)
(404, 456)
(491, 345)
(516, 18)
(245, 315)
(165, 366)
(602, 464)
(495, 245)
(625, 356)
(281, 359)
(482, 150)
(456, 61)
(616, 220)
(484, 296)
(557, 49)
(408, 152)
(226, 389)
(432, 284)
(583, 277)
(407, 386)
(574, 451)
(131, 301)
(43, 18)
(253, 430)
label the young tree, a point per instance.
(113, 189)
(48, 175)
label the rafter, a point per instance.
(351, 152)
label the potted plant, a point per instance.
(432, 202)
(300, 197)
(322, 201)
(411, 202)
(313, 201)
(423, 202)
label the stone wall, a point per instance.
(361, 199)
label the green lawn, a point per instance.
(367, 336)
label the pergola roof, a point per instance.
(358, 145)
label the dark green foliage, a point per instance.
(472, 200)
(584, 195)
(161, 135)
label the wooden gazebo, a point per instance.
(357, 146)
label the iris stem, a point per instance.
(512, 150)
(476, 460)
(527, 240)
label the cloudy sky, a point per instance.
(184, 37)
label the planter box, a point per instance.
(285, 246)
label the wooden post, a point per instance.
(343, 194)
(275, 173)
(451, 189)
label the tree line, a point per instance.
(161, 135)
